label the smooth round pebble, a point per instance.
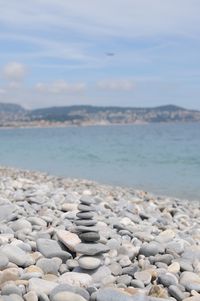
(89, 262)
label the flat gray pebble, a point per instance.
(124, 279)
(91, 249)
(175, 292)
(151, 249)
(167, 279)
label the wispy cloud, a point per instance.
(125, 85)
(153, 41)
(123, 17)
(40, 47)
(60, 87)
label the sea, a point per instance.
(163, 159)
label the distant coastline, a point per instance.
(15, 116)
(39, 125)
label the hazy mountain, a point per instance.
(11, 108)
(10, 112)
(85, 114)
(94, 114)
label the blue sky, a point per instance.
(56, 52)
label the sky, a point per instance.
(100, 52)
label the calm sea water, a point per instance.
(163, 159)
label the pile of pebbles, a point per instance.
(89, 236)
(76, 240)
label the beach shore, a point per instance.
(71, 239)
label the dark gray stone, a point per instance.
(85, 215)
(89, 236)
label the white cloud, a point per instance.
(60, 87)
(14, 72)
(146, 93)
(116, 85)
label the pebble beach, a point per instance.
(67, 239)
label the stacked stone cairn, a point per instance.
(90, 248)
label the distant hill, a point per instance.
(125, 115)
(11, 108)
(12, 114)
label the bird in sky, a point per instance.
(110, 53)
